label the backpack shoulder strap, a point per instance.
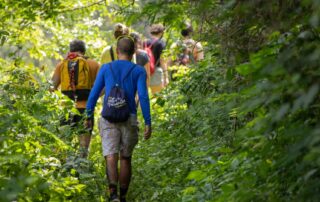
(129, 71)
(112, 74)
(111, 53)
(145, 44)
(153, 42)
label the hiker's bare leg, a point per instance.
(112, 168)
(84, 141)
(125, 174)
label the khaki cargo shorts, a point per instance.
(119, 137)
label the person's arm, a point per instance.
(163, 65)
(56, 77)
(147, 68)
(144, 103)
(94, 69)
(145, 60)
(95, 91)
(199, 52)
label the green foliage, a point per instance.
(243, 125)
(37, 162)
(39, 158)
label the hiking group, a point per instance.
(128, 68)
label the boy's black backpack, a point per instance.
(116, 107)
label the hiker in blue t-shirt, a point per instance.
(120, 137)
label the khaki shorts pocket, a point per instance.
(104, 125)
(133, 123)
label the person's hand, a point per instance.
(51, 89)
(147, 132)
(88, 124)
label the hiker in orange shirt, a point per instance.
(75, 75)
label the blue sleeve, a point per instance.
(95, 91)
(144, 97)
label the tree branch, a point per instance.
(84, 7)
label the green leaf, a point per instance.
(196, 175)
(245, 69)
